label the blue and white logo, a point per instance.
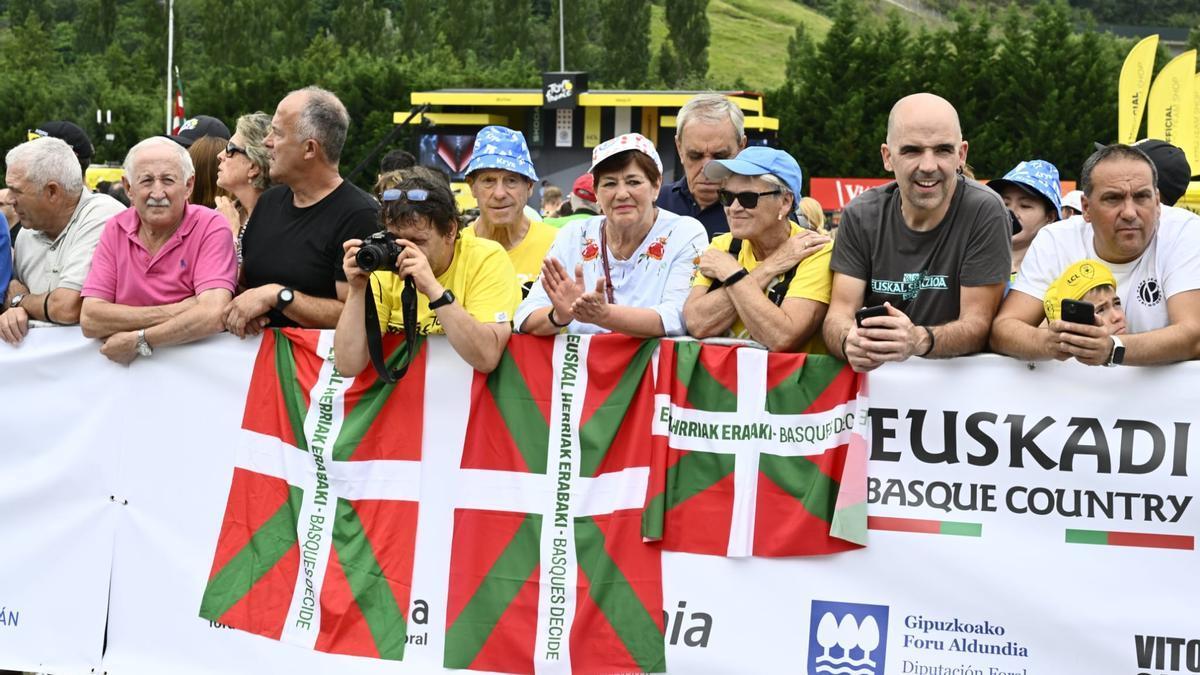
(847, 638)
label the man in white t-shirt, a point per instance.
(1153, 251)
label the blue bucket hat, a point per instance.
(501, 148)
(756, 161)
(1037, 177)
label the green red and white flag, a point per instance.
(316, 546)
(756, 453)
(548, 571)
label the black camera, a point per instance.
(378, 251)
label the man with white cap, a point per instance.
(1153, 251)
(627, 271)
(1072, 204)
(501, 176)
(768, 278)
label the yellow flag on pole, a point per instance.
(1172, 102)
(1193, 153)
(1134, 87)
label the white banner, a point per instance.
(1023, 521)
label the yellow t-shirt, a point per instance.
(480, 276)
(813, 281)
(528, 255)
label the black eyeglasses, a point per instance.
(748, 199)
(231, 150)
(395, 195)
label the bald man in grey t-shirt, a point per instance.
(933, 247)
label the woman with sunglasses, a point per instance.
(627, 271)
(243, 171)
(466, 286)
(768, 279)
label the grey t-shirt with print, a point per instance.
(921, 273)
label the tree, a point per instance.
(582, 32)
(626, 41)
(683, 59)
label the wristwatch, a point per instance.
(443, 300)
(284, 298)
(143, 347)
(1117, 356)
(15, 301)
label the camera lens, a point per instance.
(369, 257)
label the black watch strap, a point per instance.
(284, 298)
(445, 299)
(735, 277)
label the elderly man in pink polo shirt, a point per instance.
(164, 269)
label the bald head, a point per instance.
(928, 109)
(925, 151)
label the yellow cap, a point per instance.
(1074, 283)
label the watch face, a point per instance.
(286, 295)
(1118, 356)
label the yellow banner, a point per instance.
(1172, 102)
(1134, 87)
(1193, 153)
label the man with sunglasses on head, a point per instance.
(932, 249)
(292, 246)
(466, 287)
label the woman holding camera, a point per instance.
(627, 271)
(466, 286)
(768, 279)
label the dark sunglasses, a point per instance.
(748, 199)
(231, 150)
(414, 195)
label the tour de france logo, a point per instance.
(847, 638)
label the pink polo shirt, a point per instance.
(198, 257)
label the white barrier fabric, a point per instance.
(1023, 521)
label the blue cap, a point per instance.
(756, 161)
(1037, 177)
(501, 148)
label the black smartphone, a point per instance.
(868, 312)
(1078, 311)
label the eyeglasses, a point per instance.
(231, 150)
(395, 195)
(748, 200)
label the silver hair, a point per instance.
(45, 160)
(254, 129)
(323, 119)
(712, 108)
(779, 183)
(185, 160)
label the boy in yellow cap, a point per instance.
(1091, 281)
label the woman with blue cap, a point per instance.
(768, 279)
(627, 271)
(1033, 195)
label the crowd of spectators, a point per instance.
(257, 228)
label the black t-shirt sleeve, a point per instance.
(359, 224)
(851, 253)
(988, 258)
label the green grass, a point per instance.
(749, 39)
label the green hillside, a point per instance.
(749, 39)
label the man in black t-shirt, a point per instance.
(292, 247)
(934, 246)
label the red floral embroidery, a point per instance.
(590, 249)
(657, 248)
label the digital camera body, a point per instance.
(378, 251)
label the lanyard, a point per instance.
(608, 286)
